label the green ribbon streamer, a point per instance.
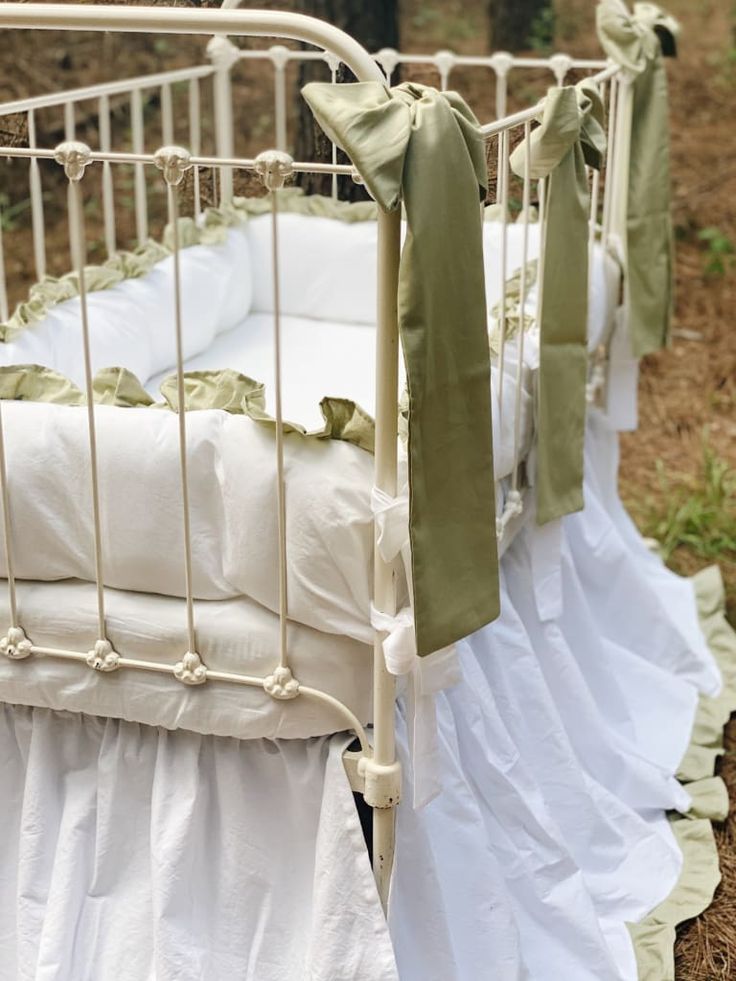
(570, 135)
(636, 42)
(424, 147)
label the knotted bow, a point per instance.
(424, 147)
(637, 42)
(425, 675)
(570, 135)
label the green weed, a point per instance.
(697, 514)
(720, 252)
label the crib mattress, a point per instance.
(235, 635)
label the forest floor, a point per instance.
(678, 470)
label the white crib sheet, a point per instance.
(323, 357)
(234, 635)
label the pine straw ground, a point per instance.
(688, 393)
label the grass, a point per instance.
(693, 516)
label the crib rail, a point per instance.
(163, 128)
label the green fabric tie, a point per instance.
(570, 136)
(424, 147)
(637, 42)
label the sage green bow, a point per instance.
(570, 135)
(636, 42)
(424, 147)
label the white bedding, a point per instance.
(235, 635)
(327, 267)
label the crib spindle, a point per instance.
(7, 528)
(174, 161)
(4, 309)
(280, 59)
(610, 156)
(274, 167)
(195, 139)
(503, 179)
(515, 501)
(334, 65)
(74, 157)
(36, 192)
(139, 176)
(167, 115)
(108, 192)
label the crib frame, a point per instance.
(374, 771)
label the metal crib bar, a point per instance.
(74, 158)
(504, 178)
(610, 152)
(195, 140)
(36, 192)
(173, 162)
(280, 59)
(139, 178)
(108, 191)
(4, 310)
(280, 480)
(8, 530)
(526, 201)
(384, 593)
(167, 115)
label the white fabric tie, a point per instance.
(425, 675)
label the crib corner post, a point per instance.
(384, 598)
(223, 54)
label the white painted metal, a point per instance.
(139, 177)
(384, 594)
(503, 184)
(514, 502)
(123, 87)
(195, 139)
(167, 115)
(36, 191)
(4, 309)
(74, 158)
(108, 193)
(174, 161)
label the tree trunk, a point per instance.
(375, 25)
(517, 25)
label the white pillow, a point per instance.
(327, 267)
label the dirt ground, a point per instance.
(687, 393)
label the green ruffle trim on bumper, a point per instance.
(211, 229)
(654, 937)
(223, 389)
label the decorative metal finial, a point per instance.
(16, 645)
(274, 167)
(102, 657)
(174, 162)
(74, 157)
(190, 670)
(281, 684)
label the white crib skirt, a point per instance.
(135, 854)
